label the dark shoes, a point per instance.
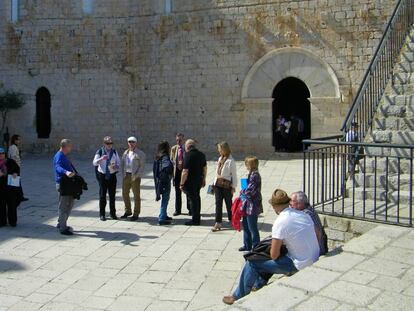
(125, 216)
(114, 217)
(191, 223)
(66, 232)
(134, 218)
(164, 222)
(169, 218)
(102, 218)
(243, 249)
(177, 214)
(12, 225)
(25, 199)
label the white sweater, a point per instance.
(228, 172)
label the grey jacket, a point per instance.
(138, 164)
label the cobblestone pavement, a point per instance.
(122, 265)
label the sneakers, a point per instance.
(134, 218)
(243, 249)
(164, 222)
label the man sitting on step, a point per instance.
(292, 228)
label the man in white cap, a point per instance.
(132, 170)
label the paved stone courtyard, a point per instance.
(121, 265)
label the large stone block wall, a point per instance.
(128, 68)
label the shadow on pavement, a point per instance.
(123, 237)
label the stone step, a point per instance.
(394, 123)
(368, 165)
(401, 197)
(380, 181)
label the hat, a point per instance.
(279, 197)
(107, 140)
(133, 138)
(2, 150)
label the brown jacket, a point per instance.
(173, 156)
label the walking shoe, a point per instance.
(164, 222)
(134, 218)
(126, 215)
(13, 225)
(67, 227)
(25, 199)
(66, 232)
(103, 218)
(169, 218)
(114, 217)
(229, 300)
(243, 249)
(216, 227)
(177, 214)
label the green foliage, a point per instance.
(9, 100)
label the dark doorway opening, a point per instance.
(43, 115)
(291, 102)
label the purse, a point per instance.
(223, 183)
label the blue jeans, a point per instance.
(165, 197)
(252, 270)
(251, 235)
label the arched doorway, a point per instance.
(291, 104)
(43, 115)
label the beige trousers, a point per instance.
(135, 185)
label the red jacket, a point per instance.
(237, 213)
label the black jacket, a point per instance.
(163, 170)
(72, 186)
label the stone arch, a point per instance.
(289, 62)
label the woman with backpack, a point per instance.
(163, 171)
(107, 162)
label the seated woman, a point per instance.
(292, 228)
(10, 196)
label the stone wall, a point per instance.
(128, 68)
(341, 230)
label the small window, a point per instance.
(14, 16)
(168, 7)
(87, 7)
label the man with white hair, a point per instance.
(193, 178)
(132, 170)
(299, 201)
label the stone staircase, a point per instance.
(383, 176)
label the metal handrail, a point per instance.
(360, 144)
(376, 77)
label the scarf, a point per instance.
(221, 164)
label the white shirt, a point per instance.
(101, 164)
(14, 154)
(297, 231)
(229, 171)
(129, 158)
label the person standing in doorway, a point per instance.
(14, 153)
(63, 167)
(193, 179)
(225, 183)
(132, 170)
(107, 164)
(177, 157)
(163, 171)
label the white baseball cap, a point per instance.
(133, 138)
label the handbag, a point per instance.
(223, 183)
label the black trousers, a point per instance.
(9, 200)
(107, 186)
(179, 193)
(226, 195)
(193, 195)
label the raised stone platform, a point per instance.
(372, 272)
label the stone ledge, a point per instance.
(353, 278)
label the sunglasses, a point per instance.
(132, 142)
(109, 143)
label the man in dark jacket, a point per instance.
(193, 179)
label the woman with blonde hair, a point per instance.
(225, 183)
(252, 205)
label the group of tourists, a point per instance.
(297, 239)
(289, 133)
